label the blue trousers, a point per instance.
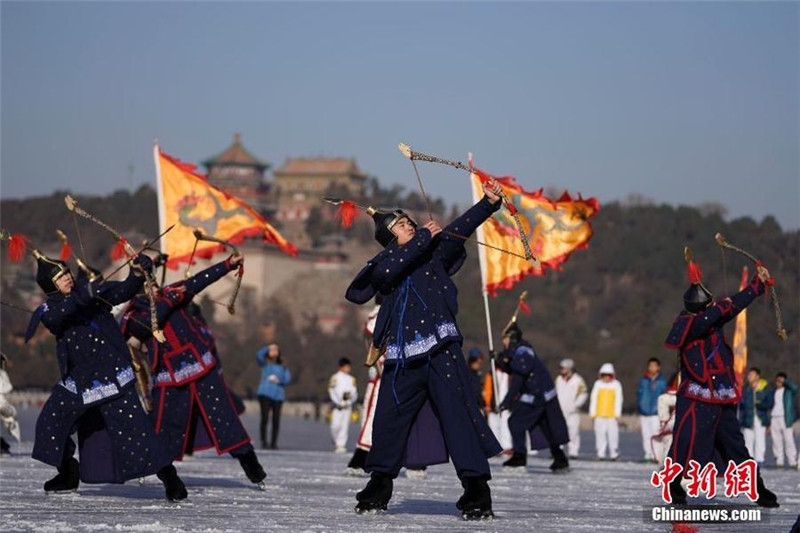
(546, 417)
(443, 381)
(703, 428)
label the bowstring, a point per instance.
(724, 270)
(78, 232)
(422, 189)
(430, 215)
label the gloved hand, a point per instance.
(143, 263)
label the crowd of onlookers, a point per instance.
(765, 409)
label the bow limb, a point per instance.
(150, 283)
(773, 295)
(408, 152)
(199, 236)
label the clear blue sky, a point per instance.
(681, 102)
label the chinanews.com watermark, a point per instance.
(738, 479)
(706, 514)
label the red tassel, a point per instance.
(524, 307)
(17, 246)
(347, 213)
(695, 276)
(66, 252)
(119, 252)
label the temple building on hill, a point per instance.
(238, 172)
(301, 183)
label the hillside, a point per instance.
(613, 302)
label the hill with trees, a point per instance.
(612, 302)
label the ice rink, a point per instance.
(307, 491)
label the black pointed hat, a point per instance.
(48, 270)
(385, 221)
(697, 297)
(513, 332)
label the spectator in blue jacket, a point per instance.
(783, 415)
(651, 386)
(274, 377)
(754, 413)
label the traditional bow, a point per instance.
(123, 244)
(418, 156)
(773, 295)
(200, 236)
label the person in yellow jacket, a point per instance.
(605, 407)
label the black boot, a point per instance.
(560, 463)
(253, 469)
(677, 492)
(173, 484)
(766, 498)
(517, 460)
(356, 464)
(5, 447)
(68, 477)
(476, 502)
(376, 495)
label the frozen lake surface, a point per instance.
(307, 491)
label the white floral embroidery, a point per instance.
(527, 398)
(99, 391)
(722, 392)
(69, 384)
(447, 329)
(185, 372)
(125, 376)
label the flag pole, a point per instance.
(159, 193)
(482, 262)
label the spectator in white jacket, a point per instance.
(343, 394)
(8, 413)
(605, 407)
(572, 395)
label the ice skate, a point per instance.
(476, 502)
(67, 479)
(253, 469)
(173, 484)
(376, 495)
(518, 460)
(560, 464)
(766, 498)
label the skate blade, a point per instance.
(476, 514)
(562, 471)
(261, 486)
(60, 492)
(355, 472)
(371, 511)
(141, 481)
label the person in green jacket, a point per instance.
(783, 415)
(754, 411)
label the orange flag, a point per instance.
(186, 199)
(555, 229)
(740, 338)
